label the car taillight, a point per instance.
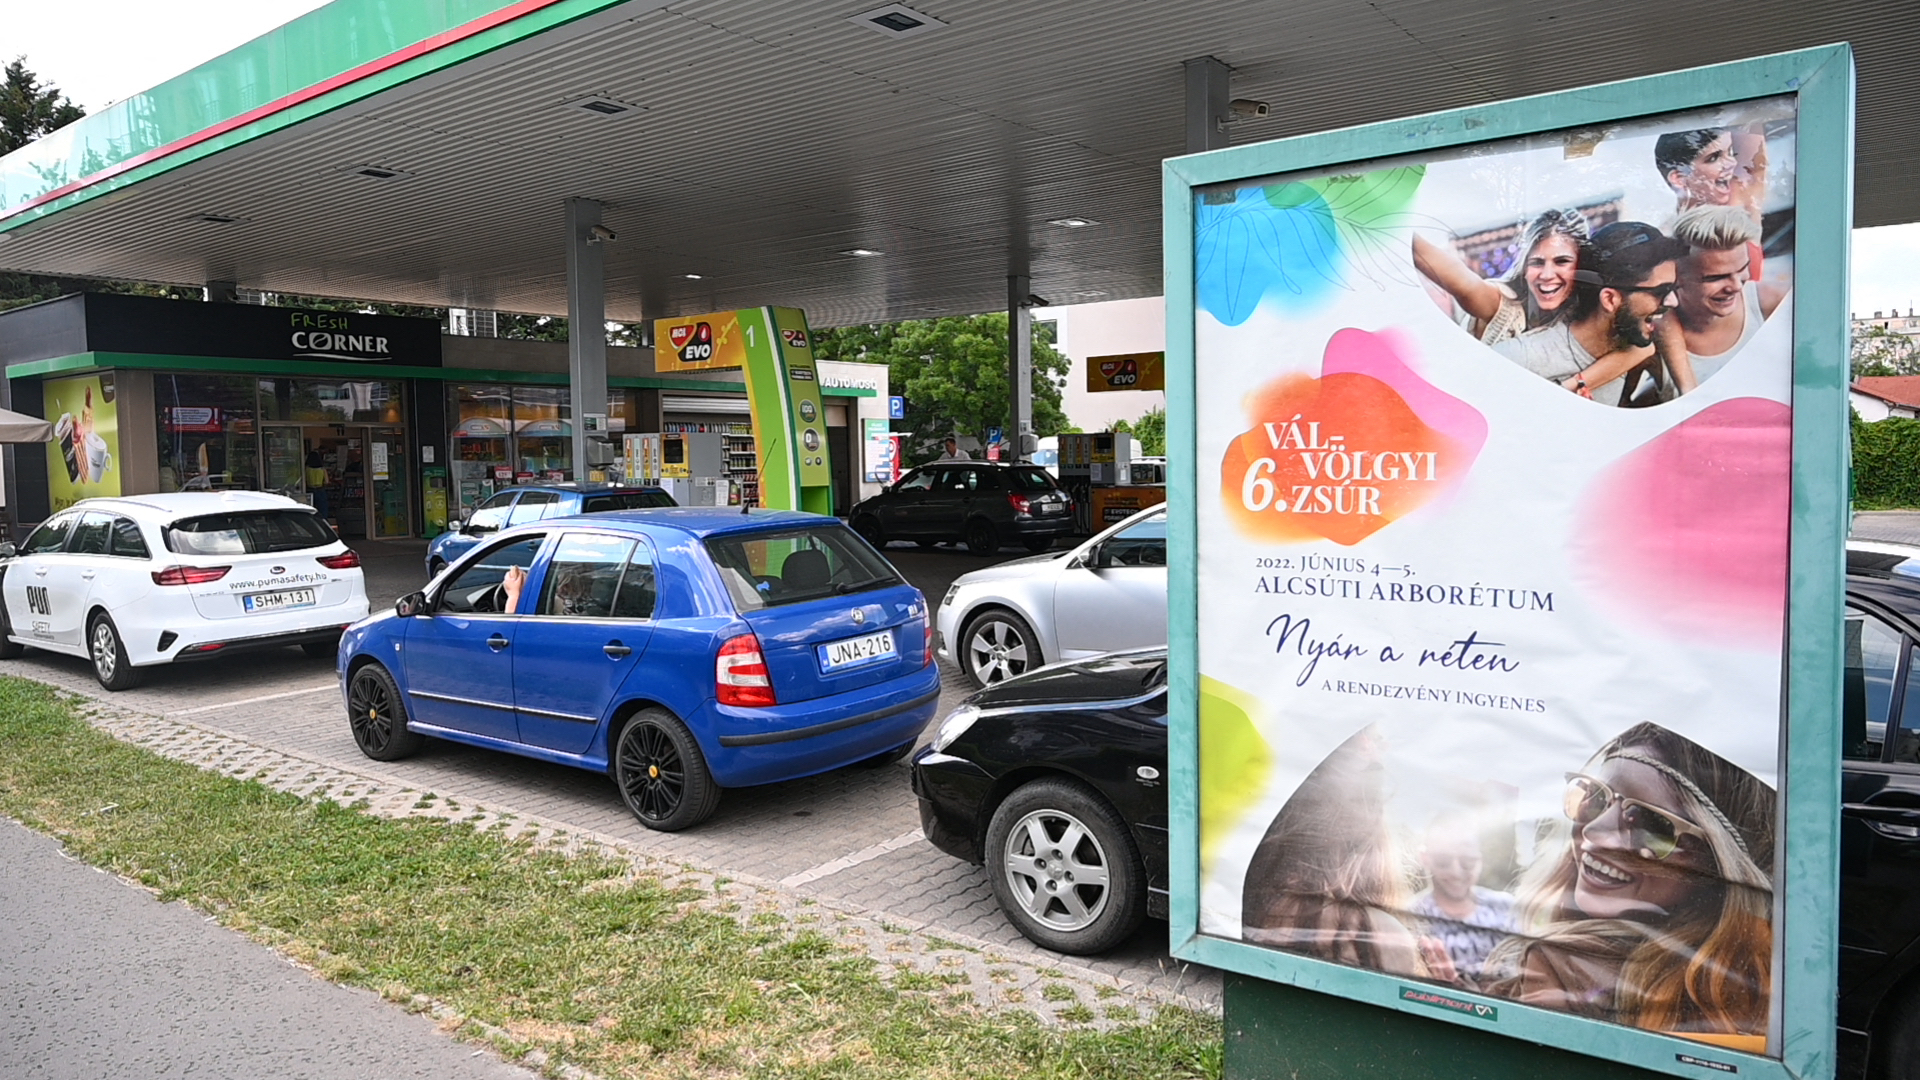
(189, 575)
(1021, 504)
(740, 674)
(346, 560)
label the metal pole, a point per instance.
(1019, 365)
(1206, 104)
(586, 323)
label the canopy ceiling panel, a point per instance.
(763, 141)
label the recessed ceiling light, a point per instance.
(693, 277)
(380, 172)
(897, 21)
(860, 253)
(1073, 222)
(600, 105)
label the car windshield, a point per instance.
(768, 569)
(252, 532)
(1029, 478)
(626, 500)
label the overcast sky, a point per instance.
(99, 51)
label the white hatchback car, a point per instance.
(149, 579)
(1109, 593)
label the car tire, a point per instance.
(435, 568)
(661, 774)
(868, 527)
(109, 655)
(378, 716)
(9, 650)
(997, 645)
(1065, 869)
(1038, 544)
(1894, 1053)
(982, 538)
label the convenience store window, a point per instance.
(503, 435)
(328, 401)
(208, 432)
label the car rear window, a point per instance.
(1029, 478)
(626, 500)
(768, 569)
(251, 532)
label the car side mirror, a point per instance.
(7, 550)
(410, 605)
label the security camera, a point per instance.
(1036, 300)
(1247, 109)
(600, 234)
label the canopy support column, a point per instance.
(586, 323)
(1019, 367)
(1206, 104)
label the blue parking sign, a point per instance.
(896, 408)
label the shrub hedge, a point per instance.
(1886, 464)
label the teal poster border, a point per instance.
(1823, 81)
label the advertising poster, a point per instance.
(1494, 452)
(706, 342)
(1128, 371)
(880, 449)
(86, 439)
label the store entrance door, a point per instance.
(355, 475)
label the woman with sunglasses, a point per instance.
(1654, 910)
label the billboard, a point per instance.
(1502, 433)
(1127, 371)
(81, 460)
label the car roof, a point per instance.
(697, 521)
(584, 487)
(172, 505)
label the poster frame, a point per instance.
(1822, 79)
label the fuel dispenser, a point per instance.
(1096, 469)
(691, 466)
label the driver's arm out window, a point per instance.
(476, 589)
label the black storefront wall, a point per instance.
(294, 342)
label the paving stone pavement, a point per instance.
(1888, 526)
(847, 840)
(917, 955)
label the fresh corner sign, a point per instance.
(773, 349)
(1513, 459)
(323, 335)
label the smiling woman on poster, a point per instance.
(1655, 910)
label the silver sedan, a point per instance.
(1109, 593)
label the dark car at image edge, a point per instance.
(982, 504)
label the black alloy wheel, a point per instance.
(378, 717)
(997, 645)
(661, 773)
(109, 655)
(868, 527)
(982, 538)
(1064, 868)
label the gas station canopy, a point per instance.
(859, 162)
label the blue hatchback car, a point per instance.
(536, 502)
(681, 651)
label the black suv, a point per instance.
(980, 503)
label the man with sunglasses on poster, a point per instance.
(1625, 284)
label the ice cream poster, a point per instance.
(83, 459)
(1493, 452)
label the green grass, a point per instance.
(574, 955)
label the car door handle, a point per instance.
(1892, 822)
(39, 571)
(497, 642)
(87, 574)
(615, 650)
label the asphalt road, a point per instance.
(100, 979)
(83, 996)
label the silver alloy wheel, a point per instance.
(1057, 870)
(996, 650)
(106, 651)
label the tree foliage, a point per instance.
(953, 373)
(1886, 463)
(1880, 351)
(1150, 431)
(30, 108)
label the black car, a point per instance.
(980, 503)
(1055, 779)
(1083, 746)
